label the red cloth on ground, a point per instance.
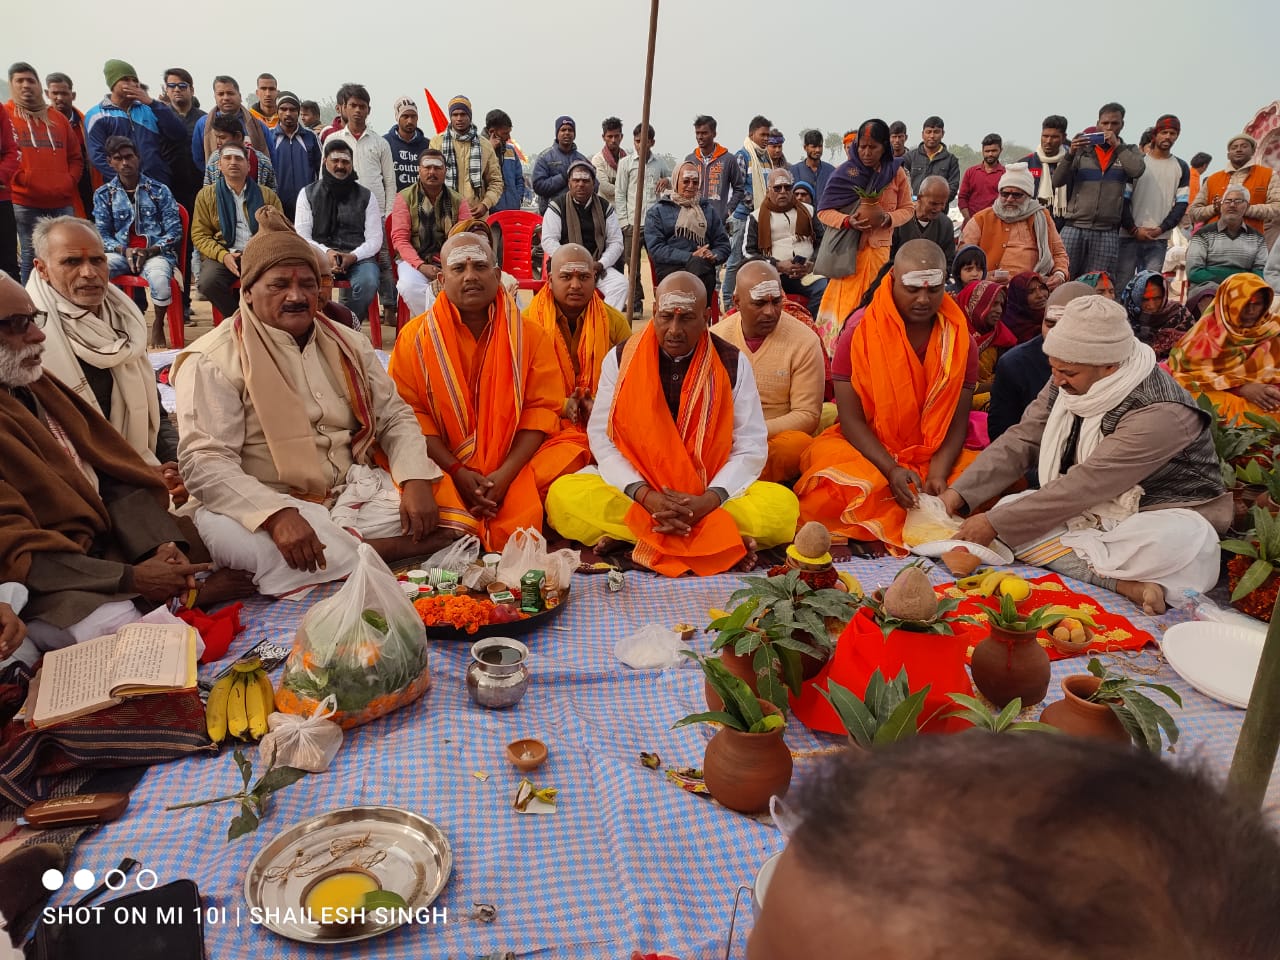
(931, 659)
(217, 629)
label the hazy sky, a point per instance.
(823, 63)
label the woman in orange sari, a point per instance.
(1232, 354)
(904, 377)
(870, 195)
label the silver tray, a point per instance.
(417, 866)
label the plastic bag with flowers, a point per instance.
(365, 646)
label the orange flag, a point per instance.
(437, 115)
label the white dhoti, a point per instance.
(1177, 549)
(613, 287)
(368, 507)
(414, 289)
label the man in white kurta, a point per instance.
(294, 439)
(1131, 496)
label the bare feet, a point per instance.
(1149, 596)
(607, 545)
(157, 341)
(224, 585)
(747, 563)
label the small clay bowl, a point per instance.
(1069, 648)
(686, 632)
(527, 755)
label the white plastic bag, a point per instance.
(457, 558)
(928, 521)
(527, 550)
(652, 647)
(308, 743)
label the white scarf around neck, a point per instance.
(115, 339)
(1104, 396)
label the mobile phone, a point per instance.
(1097, 138)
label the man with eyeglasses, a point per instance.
(179, 93)
(1017, 232)
(421, 218)
(580, 215)
(1243, 169)
(782, 233)
(684, 232)
(88, 532)
(899, 435)
(130, 111)
(1227, 246)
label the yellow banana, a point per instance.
(237, 717)
(991, 582)
(247, 665)
(974, 579)
(215, 711)
(255, 703)
(1061, 610)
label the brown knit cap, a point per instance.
(276, 242)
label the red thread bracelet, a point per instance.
(453, 468)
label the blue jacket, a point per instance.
(551, 174)
(197, 138)
(404, 155)
(513, 186)
(147, 126)
(1020, 375)
(662, 244)
(802, 171)
(153, 214)
(297, 164)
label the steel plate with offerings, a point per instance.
(310, 882)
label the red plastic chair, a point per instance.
(714, 305)
(130, 282)
(402, 308)
(517, 228)
(375, 315)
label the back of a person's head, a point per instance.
(1026, 845)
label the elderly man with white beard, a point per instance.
(1131, 496)
(86, 527)
(1017, 233)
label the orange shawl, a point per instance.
(477, 420)
(682, 454)
(593, 341)
(907, 403)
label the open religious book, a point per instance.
(140, 659)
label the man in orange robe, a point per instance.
(904, 373)
(486, 389)
(679, 437)
(583, 329)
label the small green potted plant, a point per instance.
(886, 713)
(747, 761)
(1111, 706)
(984, 718)
(1251, 573)
(1010, 663)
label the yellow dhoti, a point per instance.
(583, 507)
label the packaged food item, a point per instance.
(531, 591)
(365, 646)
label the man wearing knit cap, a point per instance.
(406, 142)
(129, 111)
(296, 151)
(1157, 204)
(551, 170)
(1263, 184)
(1131, 496)
(287, 420)
(470, 165)
(1017, 233)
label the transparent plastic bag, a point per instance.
(308, 743)
(527, 550)
(928, 521)
(1202, 608)
(366, 646)
(457, 558)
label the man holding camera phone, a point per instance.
(1098, 169)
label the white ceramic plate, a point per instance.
(996, 555)
(1218, 659)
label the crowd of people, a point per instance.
(872, 350)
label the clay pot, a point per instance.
(1266, 503)
(740, 667)
(869, 210)
(1260, 602)
(743, 770)
(1076, 715)
(1008, 664)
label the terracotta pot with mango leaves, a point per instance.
(1010, 663)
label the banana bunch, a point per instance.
(1063, 611)
(986, 580)
(239, 703)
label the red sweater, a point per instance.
(978, 188)
(51, 161)
(8, 156)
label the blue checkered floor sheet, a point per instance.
(629, 860)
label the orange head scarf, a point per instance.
(911, 423)
(1219, 354)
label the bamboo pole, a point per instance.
(1255, 755)
(637, 221)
